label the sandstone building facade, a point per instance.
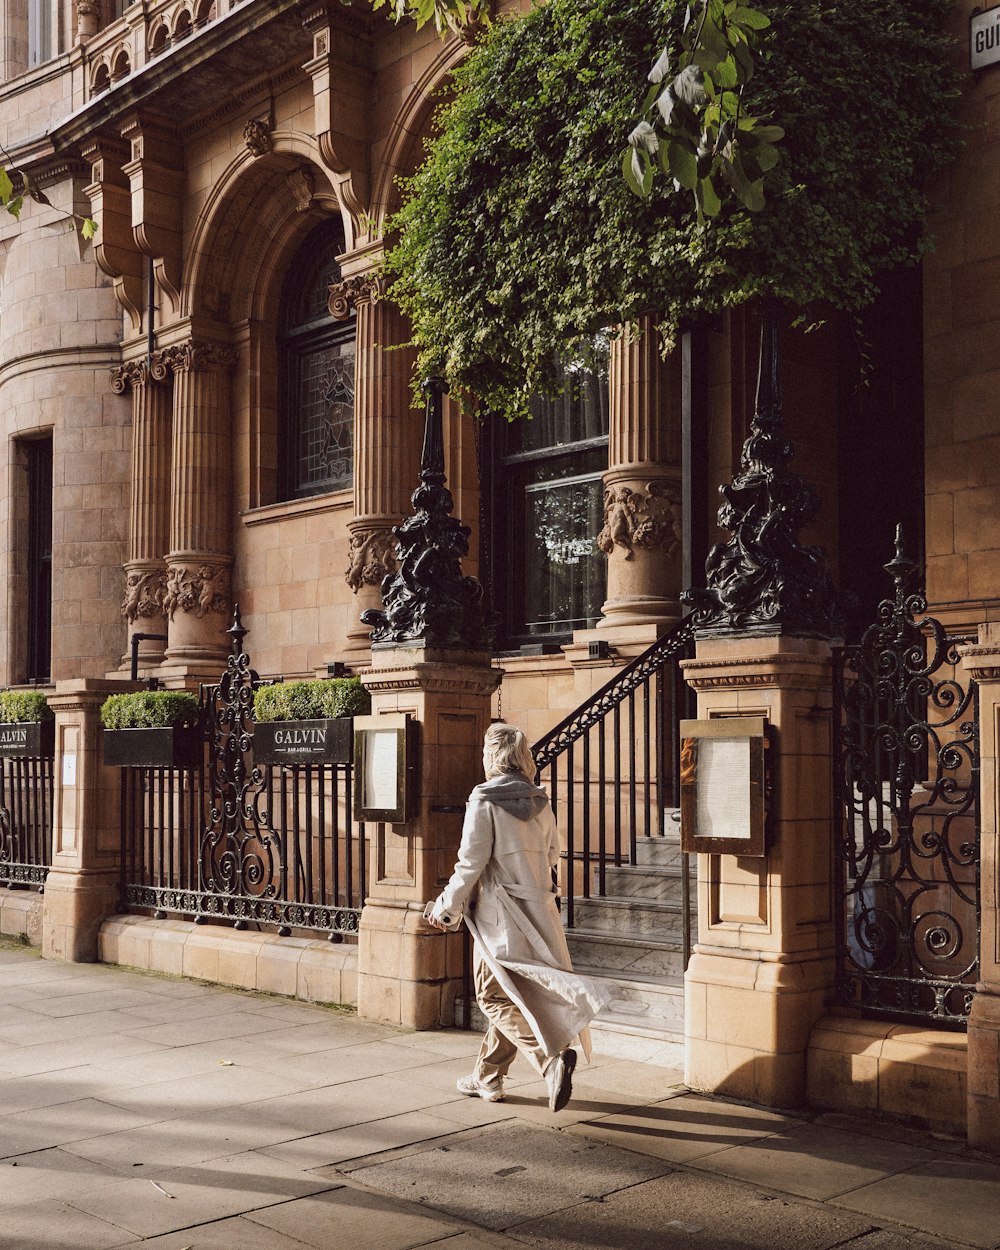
(211, 404)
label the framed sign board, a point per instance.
(382, 747)
(723, 808)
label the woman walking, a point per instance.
(503, 887)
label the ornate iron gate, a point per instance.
(906, 779)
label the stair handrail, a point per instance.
(612, 693)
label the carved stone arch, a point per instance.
(411, 124)
(204, 11)
(101, 78)
(158, 38)
(246, 216)
(182, 23)
(121, 64)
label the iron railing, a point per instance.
(610, 769)
(906, 817)
(232, 840)
(26, 790)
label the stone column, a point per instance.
(642, 487)
(408, 973)
(764, 963)
(81, 889)
(386, 441)
(983, 663)
(197, 600)
(149, 516)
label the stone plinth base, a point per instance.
(408, 973)
(747, 1024)
(984, 1070)
(75, 905)
(21, 914)
(863, 1066)
(313, 969)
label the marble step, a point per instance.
(653, 1003)
(657, 852)
(612, 955)
(636, 918)
(635, 881)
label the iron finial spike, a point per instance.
(901, 567)
(432, 455)
(236, 631)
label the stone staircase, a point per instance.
(632, 938)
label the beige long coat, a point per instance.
(502, 886)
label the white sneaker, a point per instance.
(472, 1087)
(559, 1079)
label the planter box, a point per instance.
(174, 746)
(30, 739)
(303, 741)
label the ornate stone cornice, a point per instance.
(349, 292)
(371, 557)
(196, 587)
(982, 663)
(648, 521)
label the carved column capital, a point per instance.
(194, 356)
(648, 519)
(348, 293)
(196, 587)
(371, 557)
(145, 589)
(124, 377)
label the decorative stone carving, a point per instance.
(762, 581)
(194, 355)
(196, 588)
(145, 591)
(257, 136)
(371, 557)
(636, 520)
(428, 599)
(300, 183)
(346, 294)
(132, 373)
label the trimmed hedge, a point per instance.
(322, 699)
(149, 709)
(23, 707)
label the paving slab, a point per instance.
(185, 1197)
(508, 1173)
(692, 1211)
(361, 1140)
(56, 1226)
(354, 1217)
(47, 1174)
(950, 1197)
(236, 1233)
(815, 1162)
(685, 1128)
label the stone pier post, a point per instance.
(642, 487)
(197, 597)
(149, 516)
(983, 663)
(81, 889)
(386, 440)
(408, 973)
(764, 963)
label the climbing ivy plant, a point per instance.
(519, 236)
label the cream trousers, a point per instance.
(508, 1032)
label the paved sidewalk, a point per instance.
(141, 1109)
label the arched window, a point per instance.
(316, 373)
(544, 498)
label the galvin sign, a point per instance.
(984, 33)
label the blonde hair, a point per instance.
(506, 750)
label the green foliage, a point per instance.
(20, 707)
(519, 236)
(312, 700)
(149, 709)
(695, 127)
(446, 14)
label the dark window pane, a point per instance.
(565, 575)
(39, 455)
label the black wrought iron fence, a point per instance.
(610, 769)
(907, 815)
(26, 790)
(233, 840)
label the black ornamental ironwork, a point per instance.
(763, 581)
(428, 600)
